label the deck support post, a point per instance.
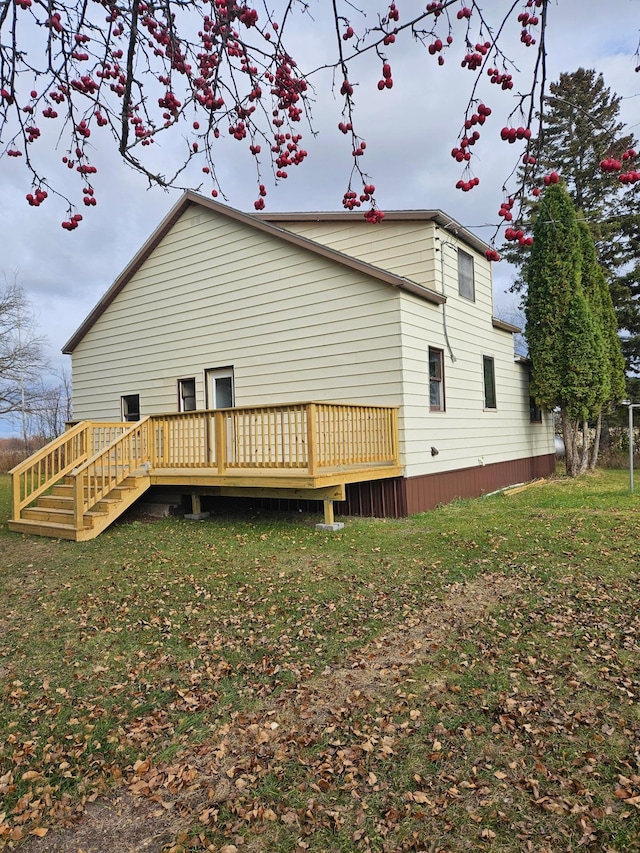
(196, 513)
(329, 519)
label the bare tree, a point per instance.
(51, 409)
(21, 354)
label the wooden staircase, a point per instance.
(53, 514)
(82, 481)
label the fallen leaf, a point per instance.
(40, 831)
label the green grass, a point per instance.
(254, 649)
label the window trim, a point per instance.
(182, 396)
(441, 405)
(463, 283)
(212, 373)
(489, 360)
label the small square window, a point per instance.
(187, 395)
(130, 404)
(489, 373)
(466, 283)
(436, 380)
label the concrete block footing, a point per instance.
(197, 516)
(337, 525)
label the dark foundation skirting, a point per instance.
(401, 497)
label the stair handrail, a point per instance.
(80, 505)
(38, 465)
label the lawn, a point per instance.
(464, 679)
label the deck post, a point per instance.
(221, 443)
(312, 440)
(329, 521)
(78, 502)
(15, 496)
(328, 511)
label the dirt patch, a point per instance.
(123, 824)
(170, 798)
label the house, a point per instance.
(227, 311)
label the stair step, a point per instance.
(54, 516)
(55, 501)
(44, 528)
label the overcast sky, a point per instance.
(410, 131)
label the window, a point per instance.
(436, 380)
(186, 395)
(489, 373)
(130, 404)
(535, 412)
(466, 284)
(220, 389)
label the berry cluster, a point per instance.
(551, 178)
(505, 210)
(435, 8)
(465, 186)
(37, 198)
(387, 81)
(88, 198)
(473, 59)
(351, 200)
(510, 134)
(72, 223)
(465, 12)
(492, 255)
(499, 78)
(374, 216)
(611, 164)
(462, 152)
(517, 235)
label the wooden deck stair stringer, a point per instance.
(52, 514)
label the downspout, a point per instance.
(444, 304)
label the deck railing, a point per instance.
(301, 436)
(305, 438)
(48, 465)
(109, 467)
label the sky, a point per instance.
(409, 130)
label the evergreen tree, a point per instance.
(594, 285)
(564, 336)
(580, 128)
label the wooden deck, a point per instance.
(80, 483)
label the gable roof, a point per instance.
(266, 223)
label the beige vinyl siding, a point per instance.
(407, 249)
(216, 293)
(466, 434)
